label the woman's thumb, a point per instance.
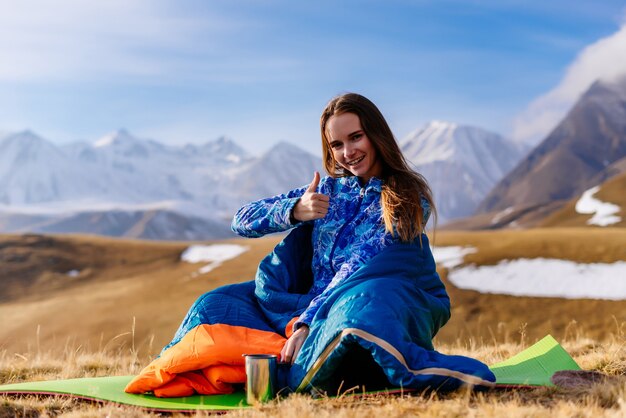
(316, 181)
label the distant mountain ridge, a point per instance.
(584, 150)
(121, 185)
(461, 163)
(33, 170)
(117, 168)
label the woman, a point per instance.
(370, 183)
(354, 277)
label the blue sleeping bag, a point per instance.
(384, 316)
(391, 308)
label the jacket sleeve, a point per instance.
(372, 244)
(266, 216)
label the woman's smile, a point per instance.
(355, 162)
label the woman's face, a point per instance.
(351, 148)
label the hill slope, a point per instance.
(125, 292)
(613, 191)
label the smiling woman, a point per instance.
(355, 275)
(357, 141)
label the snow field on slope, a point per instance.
(538, 277)
(214, 255)
(603, 213)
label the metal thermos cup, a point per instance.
(260, 378)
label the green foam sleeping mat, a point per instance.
(532, 367)
(535, 365)
(111, 389)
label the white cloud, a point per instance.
(603, 60)
(44, 40)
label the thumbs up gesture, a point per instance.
(312, 205)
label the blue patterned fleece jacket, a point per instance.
(350, 234)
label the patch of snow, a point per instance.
(208, 268)
(603, 212)
(450, 257)
(233, 158)
(73, 273)
(498, 216)
(105, 141)
(213, 254)
(541, 277)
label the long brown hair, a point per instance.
(403, 188)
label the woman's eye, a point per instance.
(357, 137)
(335, 145)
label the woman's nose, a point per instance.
(348, 151)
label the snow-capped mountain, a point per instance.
(176, 192)
(145, 170)
(283, 165)
(33, 170)
(461, 163)
(171, 192)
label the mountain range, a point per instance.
(121, 185)
(585, 149)
(461, 163)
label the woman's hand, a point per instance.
(294, 343)
(312, 205)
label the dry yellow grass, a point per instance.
(124, 286)
(607, 399)
(584, 245)
(490, 317)
(131, 295)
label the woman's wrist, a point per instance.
(297, 325)
(292, 216)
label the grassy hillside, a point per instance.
(127, 292)
(500, 317)
(135, 293)
(558, 213)
(612, 191)
(129, 297)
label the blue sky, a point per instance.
(262, 71)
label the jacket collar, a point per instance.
(373, 185)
